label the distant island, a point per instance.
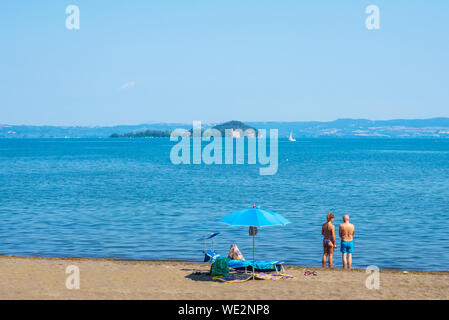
(235, 128)
(143, 134)
(435, 128)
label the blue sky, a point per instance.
(181, 60)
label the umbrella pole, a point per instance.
(254, 262)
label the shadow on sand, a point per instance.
(200, 276)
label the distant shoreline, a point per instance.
(399, 128)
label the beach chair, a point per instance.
(259, 265)
(204, 238)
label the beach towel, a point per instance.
(220, 267)
(235, 254)
(258, 265)
(272, 276)
(240, 277)
(234, 278)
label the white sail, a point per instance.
(291, 137)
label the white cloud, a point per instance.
(128, 85)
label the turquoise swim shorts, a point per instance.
(347, 246)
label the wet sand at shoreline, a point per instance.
(45, 278)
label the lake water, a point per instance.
(124, 199)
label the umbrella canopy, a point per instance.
(254, 217)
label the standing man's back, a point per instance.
(346, 232)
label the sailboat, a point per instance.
(291, 137)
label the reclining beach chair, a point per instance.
(247, 265)
(259, 265)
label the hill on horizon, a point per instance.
(236, 125)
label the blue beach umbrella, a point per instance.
(254, 217)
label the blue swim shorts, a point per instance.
(347, 246)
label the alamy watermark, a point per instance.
(72, 22)
(73, 280)
(372, 22)
(190, 146)
(372, 282)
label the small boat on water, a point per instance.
(291, 137)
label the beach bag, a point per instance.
(220, 267)
(235, 254)
(253, 231)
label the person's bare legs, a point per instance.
(350, 260)
(345, 263)
(331, 254)
(323, 261)
(328, 252)
(325, 255)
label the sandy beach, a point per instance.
(45, 278)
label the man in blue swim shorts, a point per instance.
(346, 232)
